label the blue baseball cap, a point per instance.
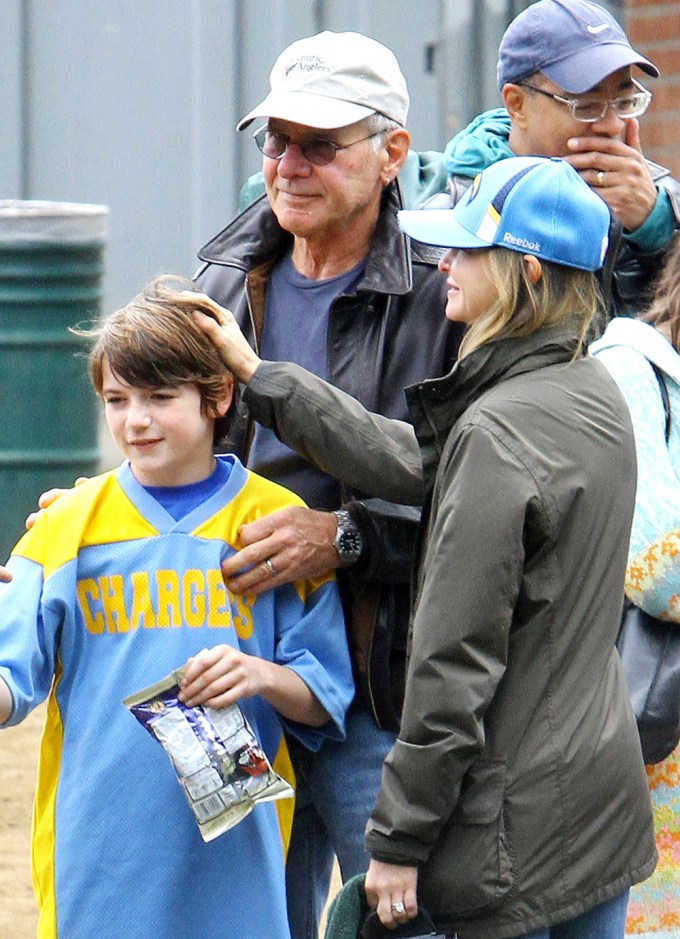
(575, 43)
(534, 205)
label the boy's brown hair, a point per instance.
(153, 342)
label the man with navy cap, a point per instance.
(566, 73)
(565, 70)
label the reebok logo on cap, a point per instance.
(524, 243)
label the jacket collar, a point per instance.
(436, 405)
(255, 236)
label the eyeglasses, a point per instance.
(589, 110)
(317, 150)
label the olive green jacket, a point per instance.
(516, 784)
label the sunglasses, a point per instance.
(317, 150)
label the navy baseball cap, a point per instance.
(533, 205)
(575, 43)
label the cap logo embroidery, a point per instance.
(472, 191)
(597, 29)
(489, 225)
(308, 63)
(521, 242)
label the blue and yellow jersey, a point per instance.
(110, 593)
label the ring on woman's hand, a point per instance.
(270, 567)
(600, 177)
(398, 907)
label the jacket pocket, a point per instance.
(471, 867)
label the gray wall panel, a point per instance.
(114, 118)
(410, 30)
(11, 89)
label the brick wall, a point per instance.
(653, 27)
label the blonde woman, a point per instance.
(514, 801)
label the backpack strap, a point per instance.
(664, 397)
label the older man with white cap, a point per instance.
(318, 272)
(565, 70)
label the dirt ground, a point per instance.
(18, 758)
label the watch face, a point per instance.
(349, 544)
(348, 541)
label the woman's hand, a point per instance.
(226, 336)
(391, 891)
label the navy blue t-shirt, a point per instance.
(178, 501)
(296, 330)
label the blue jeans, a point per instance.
(336, 789)
(606, 921)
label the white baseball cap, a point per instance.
(333, 80)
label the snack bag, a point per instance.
(218, 760)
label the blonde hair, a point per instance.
(521, 307)
(153, 342)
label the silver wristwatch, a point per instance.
(348, 541)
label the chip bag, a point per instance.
(218, 760)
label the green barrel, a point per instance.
(51, 266)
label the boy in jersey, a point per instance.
(118, 583)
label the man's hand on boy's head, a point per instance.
(295, 543)
(47, 498)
